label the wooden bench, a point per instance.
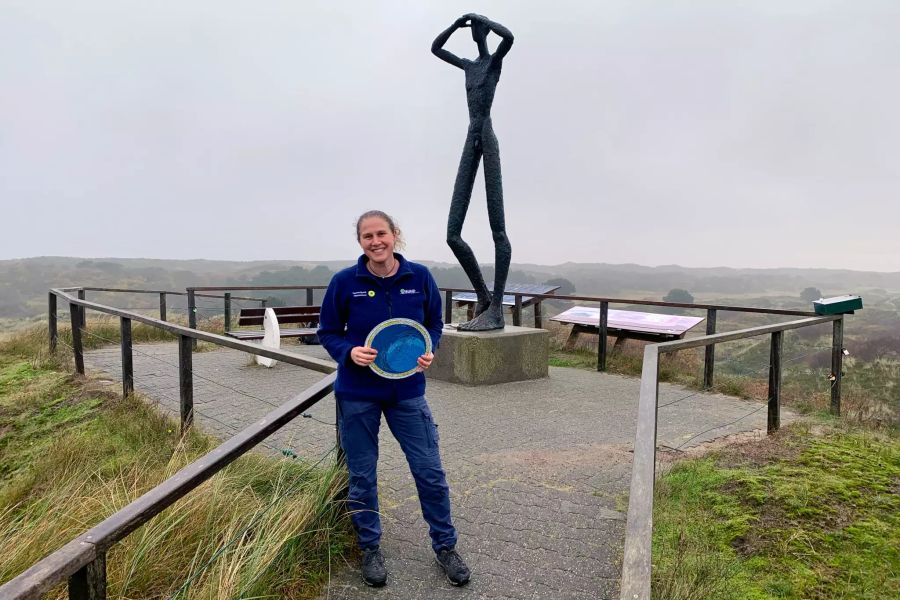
(625, 324)
(468, 299)
(307, 316)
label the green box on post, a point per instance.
(838, 305)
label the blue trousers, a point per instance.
(413, 426)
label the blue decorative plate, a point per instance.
(400, 343)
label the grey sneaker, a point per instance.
(453, 565)
(373, 571)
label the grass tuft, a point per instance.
(74, 452)
(816, 517)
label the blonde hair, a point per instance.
(399, 243)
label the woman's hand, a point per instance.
(424, 362)
(462, 21)
(363, 356)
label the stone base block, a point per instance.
(489, 357)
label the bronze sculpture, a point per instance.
(482, 75)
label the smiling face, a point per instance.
(376, 239)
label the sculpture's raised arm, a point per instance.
(437, 47)
(505, 34)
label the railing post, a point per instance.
(127, 362)
(538, 323)
(162, 306)
(192, 314)
(637, 554)
(602, 333)
(186, 381)
(448, 307)
(51, 321)
(75, 314)
(227, 311)
(89, 582)
(517, 311)
(81, 296)
(837, 365)
(709, 358)
(341, 458)
(309, 296)
(773, 423)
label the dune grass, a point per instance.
(73, 452)
(810, 513)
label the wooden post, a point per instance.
(709, 358)
(185, 381)
(127, 362)
(517, 311)
(75, 314)
(602, 333)
(227, 311)
(51, 321)
(448, 307)
(309, 296)
(341, 458)
(773, 422)
(538, 323)
(837, 365)
(162, 306)
(89, 582)
(81, 296)
(192, 314)
(637, 553)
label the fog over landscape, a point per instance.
(746, 135)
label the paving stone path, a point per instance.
(538, 471)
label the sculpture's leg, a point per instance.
(459, 205)
(493, 317)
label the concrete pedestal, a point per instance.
(489, 357)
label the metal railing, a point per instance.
(194, 292)
(636, 566)
(637, 559)
(163, 295)
(712, 312)
(82, 561)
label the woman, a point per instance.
(384, 285)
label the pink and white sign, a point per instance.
(629, 320)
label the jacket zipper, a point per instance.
(387, 294)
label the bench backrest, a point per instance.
(285, 314)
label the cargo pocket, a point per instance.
(431, 430)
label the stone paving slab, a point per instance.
(538, 470)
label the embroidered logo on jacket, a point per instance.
(402, 291)
(363, 294)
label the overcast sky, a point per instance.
(717, 133)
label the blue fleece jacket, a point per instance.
(355, 302)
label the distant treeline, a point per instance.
(24, 283)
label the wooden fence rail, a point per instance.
(82, 561)
(636, 562)
(163, 308)
(712, 311)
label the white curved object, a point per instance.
(271, 337)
